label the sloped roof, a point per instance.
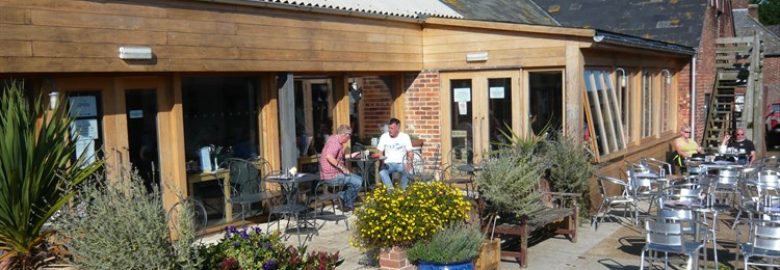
(745, 25)
(673, 21)
(513, 11)
(400, 8)
(774, 29)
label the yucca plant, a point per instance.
(37, 174)
(571, 167)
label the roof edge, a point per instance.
(515, 27)
(637, 42)
(321, 10)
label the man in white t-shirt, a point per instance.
(396, 146)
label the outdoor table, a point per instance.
(363, 164)
(224, 175)
(292, 207)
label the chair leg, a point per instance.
(642, 261)
(666, 260)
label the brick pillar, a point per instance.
(394, 259)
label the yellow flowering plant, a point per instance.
(402, 217)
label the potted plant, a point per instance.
(416, 140)
(571, 167)
(454, 248)
(508, 183)
(392, 221)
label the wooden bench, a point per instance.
(552, 214)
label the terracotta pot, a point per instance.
(418, 142)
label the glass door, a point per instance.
(479, 114)
(141, 111)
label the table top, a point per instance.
(286, 178)
(469, 168)
(361, 159)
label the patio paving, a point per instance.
(615, 244)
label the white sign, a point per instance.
(463, 108)
(83, 106)
(85, 129)
(135, 114)
(497, 92)
(459, 134)
(461, 94)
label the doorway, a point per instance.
(545, 101)
(142, 135)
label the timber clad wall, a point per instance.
(82, 36)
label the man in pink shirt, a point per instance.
(333, 170)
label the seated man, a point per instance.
(396, 146)
(333, 171)
(741, 144)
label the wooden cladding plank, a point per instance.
(336, 35)
(15, 48)
(282, 42)
(81, 35)
(102, 7)
(11, 15)
(525, 62)
(76, 19)
(500, 54)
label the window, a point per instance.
(605, 112)
(624, 96)
(647, 104)
(666, 101)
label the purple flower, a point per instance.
(244, 234)
(258, 230)
(270, 265)
(236, 244)
(267, 245)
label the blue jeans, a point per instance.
(390, 168)
(353, 183)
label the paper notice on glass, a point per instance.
(497, 92)
(463, 109)
(83, 106)
(85, 129)
(461, 94)
(87, 149)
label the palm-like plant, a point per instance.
(37, 174)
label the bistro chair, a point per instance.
(426, 171)
(763, 242)
(643, 185)
(608, 201)
(667, 237)
(327, 192)
(246, 184)
(461, 169)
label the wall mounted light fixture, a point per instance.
(667, 75)
(135, 53)
(54, 98)
(623, 76)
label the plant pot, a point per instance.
(489, 255)
(418, 142)
(450, 266)
(394, 258)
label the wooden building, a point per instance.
(157, 81)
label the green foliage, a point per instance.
(458, 242)
(403, 217)
(529, 144)
(768, 11)
(250, 249)
(509, 180)
(571, 167)
(122, 225)
(37, 174)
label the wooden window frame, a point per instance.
(607, 116)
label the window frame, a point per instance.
(604, 112)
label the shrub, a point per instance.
(122, 225)
(402, 217)
(458, 242)
(37, 175)
(250, 248)
(571, 167)
(508, 182)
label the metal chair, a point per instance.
(608, 201)
(426, 171)
(764, 242)
(461, 170)
(643, 185)
(328, 191)
(667, 237)
(246, 183)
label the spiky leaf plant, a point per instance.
(571, 167)
(508, 182)
(37, 174)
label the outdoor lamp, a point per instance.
(667, 75)
(623, 77)
(54, 97)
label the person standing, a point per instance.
(333, 170)
(395, 146)
(741, 143)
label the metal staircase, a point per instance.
(733, 59)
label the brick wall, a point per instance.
(684, 97)
(705, 67)
(376, 103)
(423, 110)
(771, 70)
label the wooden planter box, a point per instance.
(489, 255)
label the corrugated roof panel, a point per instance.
(401, 8)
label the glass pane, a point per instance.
(461, 112)
(141, 107)
(593, 100)
(500, 107)
(647, 104)
(611, 99)
(546, 100)
(665, 104)
(625, 103)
